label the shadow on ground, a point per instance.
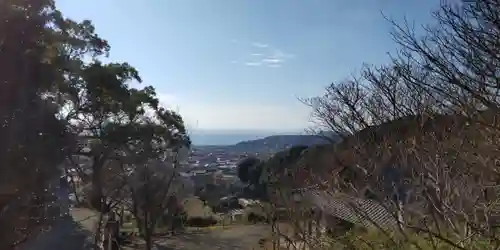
(244, 237)
(66, 234)
(199, 241)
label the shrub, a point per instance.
(254, 218)
(201, 221)
(358, 239)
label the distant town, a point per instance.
(206, 166)
(216, 166)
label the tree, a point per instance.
(34, 142)
(430, 115)
(284, 161)
(457, 54)
(157, 189)
(247, 169)
(116, 118)
(52, 93)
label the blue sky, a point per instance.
(242, 64)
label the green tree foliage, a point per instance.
(281, 164)
(34, 142)
(249, 172)
(119, 119)
(259, 174)
(285, 159)
(248, 169)
(54, 93)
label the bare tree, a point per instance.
(430, 118)
(156, 191)
(460, 53)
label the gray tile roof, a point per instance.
(362, 212)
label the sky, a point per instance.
(244, 64)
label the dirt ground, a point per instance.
(244, 237)
(72, 228)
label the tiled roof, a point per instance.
(237, 211)
(358, 211)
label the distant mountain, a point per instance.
(272, 144)
(228, 137)
(222, 139)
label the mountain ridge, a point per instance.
(272, 143)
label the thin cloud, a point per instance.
(272, 60)
(253, 64)
(260, 45)
(267, 56)
(276, 59)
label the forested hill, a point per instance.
(272, 144)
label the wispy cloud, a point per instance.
(273, 59)
(264, 55)
(253, 64)
(260, 45)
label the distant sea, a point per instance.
(230, 137)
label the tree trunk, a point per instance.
(100, 232)
(148, 231)
(149, 240)
(96, 198)
(274, 239)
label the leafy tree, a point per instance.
(117, 119)
(258, 174)
(51, 91)
(248, 169)
(34, 142)
(119, 123)
(286, 158)
(281, 164)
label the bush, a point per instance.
(361, 239)
(201, 221)
(255, 218)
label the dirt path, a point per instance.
(237, 237)
(71, 230)
(66, 235)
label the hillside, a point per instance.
(443, 133)
(271, 144)
(277, 143)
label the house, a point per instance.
(237, 215)
(247, 202)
